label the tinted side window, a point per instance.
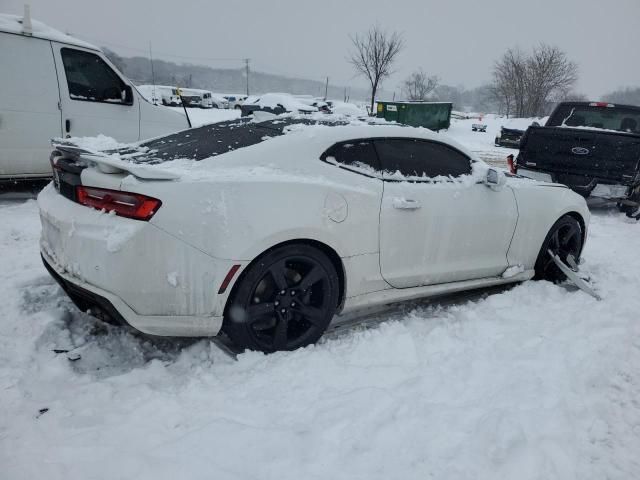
(90, 78)
(354, 153)
(412, 157)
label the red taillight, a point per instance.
(125, 204)
(601, 104)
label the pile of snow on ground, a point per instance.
(539, 381)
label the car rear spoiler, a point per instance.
(111, 165)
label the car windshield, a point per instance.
(211, 140)
(609, 118)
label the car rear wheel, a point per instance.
(564, 239)
(284, 301)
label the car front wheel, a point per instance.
(284, 300)
(564, 239)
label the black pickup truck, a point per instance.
(592, 147)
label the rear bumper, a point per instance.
(88, 297)
(508, 142)
(131, 270)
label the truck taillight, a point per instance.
(601, 104)
(124, 204)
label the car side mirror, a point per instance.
(535, 124)
(127, 95)
(495, 180)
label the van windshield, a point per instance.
(622, 119)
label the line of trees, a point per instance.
(629, 96)
(526, 84)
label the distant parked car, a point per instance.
(273, 230)
(196, 97)
(321, 104)
(479, 127)
(191, 97)
(218, 101)
(160, 94)
(276, 103)
(235, 101)
(593, 147)
(509, 137)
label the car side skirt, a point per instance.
(394, 295)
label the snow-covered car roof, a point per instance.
(308, 132)
(13, 24)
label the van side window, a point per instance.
(89, 78)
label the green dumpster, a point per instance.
(433, 115)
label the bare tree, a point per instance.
(509, 74)
(374, 54)
(550, 76)
(528, 84)
(418, 86)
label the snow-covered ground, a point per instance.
(534, 382)
(483, 143)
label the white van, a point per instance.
(53, 85)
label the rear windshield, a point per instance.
(211, 140)
(609, 118)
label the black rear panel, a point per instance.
(66, 171)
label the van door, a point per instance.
(93, 96)
(29, 112)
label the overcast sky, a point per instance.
(456, 40)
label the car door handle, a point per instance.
(405, 204)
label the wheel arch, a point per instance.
(329, 251)
(581, 221)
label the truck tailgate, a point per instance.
(578, 152)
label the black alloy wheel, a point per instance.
(564, 239)
(284, 300)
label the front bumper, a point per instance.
(153, 281)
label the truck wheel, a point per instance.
(285, 300)
(564, 239)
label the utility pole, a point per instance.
(326, 89)
(153, 76)
(246, 72)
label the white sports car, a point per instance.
(267, 230)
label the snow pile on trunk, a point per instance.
(535, 382)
